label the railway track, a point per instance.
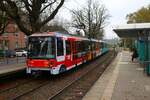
(52, 87)
(75, 90)
(14, 81)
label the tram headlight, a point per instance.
(52, 63)
(46, 63)
(30, 62)
(49, 63)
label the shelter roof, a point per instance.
(132, 30)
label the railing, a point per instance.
(12, 60)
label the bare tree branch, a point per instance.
(33, 20)
(27, 5)
(47, 6)
(53, 13)
(93, 16)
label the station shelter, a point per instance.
(141, 33)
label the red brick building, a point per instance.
(13, 38)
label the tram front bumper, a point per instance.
(53, 70)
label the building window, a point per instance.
(17, 45)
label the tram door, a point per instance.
(68, 57)
(60, 49)
(74, 49)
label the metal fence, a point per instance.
(12, 60)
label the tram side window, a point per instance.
(102, 45)
(68, 47)
(60, 48)
(79, 46)
(87, 46)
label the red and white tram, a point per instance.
(56, 52)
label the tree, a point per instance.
(56, 25)
(3, 21)
(92, 18)
(29, 15)
(140, 16)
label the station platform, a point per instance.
(8, 69)
(122, 80)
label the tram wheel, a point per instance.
(62, 69)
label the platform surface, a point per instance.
(122, 80)
(6, 69)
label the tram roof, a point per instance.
(131, 30)
(58, 34)
(102, 41)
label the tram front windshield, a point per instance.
(41, 47)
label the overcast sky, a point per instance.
(118, 9)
